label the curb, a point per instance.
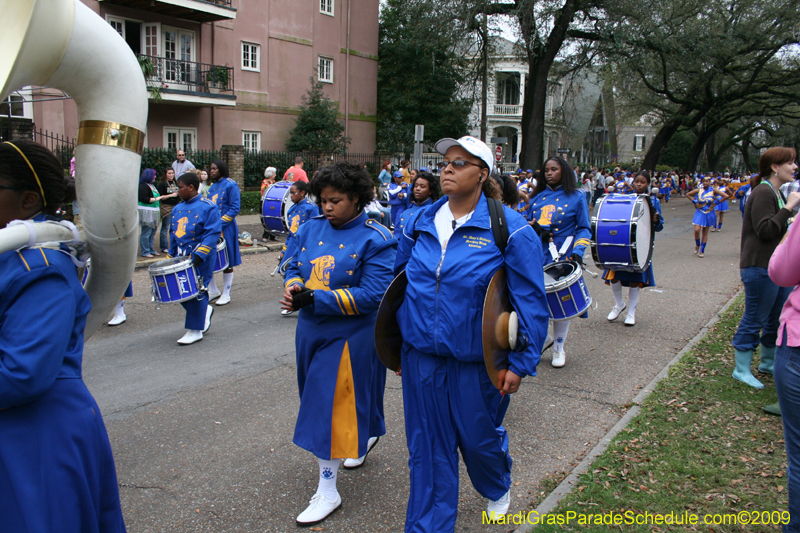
(255, 249)
(565, 487)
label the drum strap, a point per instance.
(499, 225)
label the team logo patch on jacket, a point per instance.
(320, 278)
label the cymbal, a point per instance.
(388, 340)
(495, 328)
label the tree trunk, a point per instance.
(745, 148)
(711, 157)
(610, 112)
(533, 110)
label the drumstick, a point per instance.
(276, 270)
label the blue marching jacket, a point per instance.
(340, 378)
(572, 220)
(56, 466)
(299, 213)
(225, 193)
(441, 313)
(409, 212)
(195, 230)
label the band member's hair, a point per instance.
(29, 166)
(190, 179)
(349, 178)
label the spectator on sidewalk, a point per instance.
(296, 172)
(168, 189)
(181, 165)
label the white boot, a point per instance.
(355, 463)
(318, 510)
(192, 336)
(559, 359)
(209, 312)
(499, 508)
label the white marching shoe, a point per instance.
(630, 320)
(319, 509)
(499, 508)
(350, 464)
(213, 296)
(209, 312)
(117, 320)
(559, 359)
(192, 336)
(224, 300)
(614, 314)
(284, 312)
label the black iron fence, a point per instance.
(61, 145)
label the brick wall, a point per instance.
(233, 155)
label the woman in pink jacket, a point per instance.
(784, 272)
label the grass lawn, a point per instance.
(701, 447)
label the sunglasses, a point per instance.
(457, 164)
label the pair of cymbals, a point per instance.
(499, 333)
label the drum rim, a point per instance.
(633, 248)
(221, 244)
(177, 264)
(566, 281)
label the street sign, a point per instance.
(564, 150)
(419, 133)
(499, 140)
(498, 153)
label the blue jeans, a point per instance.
(147, 239)
(787, 382)
(763, 301)
(383, 216)
(163, 236)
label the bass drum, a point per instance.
(622, 232)
(275, 206)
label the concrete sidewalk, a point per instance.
(203, 435)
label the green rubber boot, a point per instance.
(773, 409)
(742, 370)
(767, 359)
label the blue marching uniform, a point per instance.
(225, 193)
(341, 380)
(665, 186)
(397, 204)
(195, 231)
(56, 467)
(622, 187)
(449, 400)
(406, 215)
(298, 215)
(637, 279)
(723, 205)
(704, 208)
(572, 220)
(742, 193)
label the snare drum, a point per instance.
(221, 262)
(174, 280)
(275, 206)
(622, 232)
(567, 295)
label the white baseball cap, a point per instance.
(472, 145)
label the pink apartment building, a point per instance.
(234, 71)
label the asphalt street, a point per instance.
(202, 435)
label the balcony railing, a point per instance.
(507, 110)
(178, 75)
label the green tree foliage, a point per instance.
(420, 78)
(706, 64)
(318, 127)
(676, 153)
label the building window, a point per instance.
(251, 56)
(326, 7)
(183, 138)
(118, 24)
(639, 143)
(251, 140)
(17, 106)
(325, 70)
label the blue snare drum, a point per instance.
(567, 295)
(174, 280)
(275, 206)
(622, 232)
(221, 262)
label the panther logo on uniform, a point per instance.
(321, 275)
(214, 198)
(546, 217)
(295, 224)
(181, 231)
